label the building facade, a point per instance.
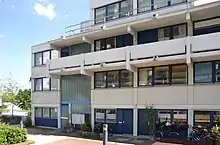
(130, 54)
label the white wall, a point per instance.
(45, 97)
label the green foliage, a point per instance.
(86, 127)
(216, 131)
(28, 122)
(151, 119)
(23, 99)
(12, 135)
(98, 129)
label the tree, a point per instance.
(23, 99)
(151, 120)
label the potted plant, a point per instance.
(98, 130)
(151, 120)
(86, 129)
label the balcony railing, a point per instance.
(88, 25)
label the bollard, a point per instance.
(105, 134)
(21, 124)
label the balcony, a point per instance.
(119, 57)
(206, 46)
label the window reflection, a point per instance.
(202, 118)
(145, 77)
(161, 75)
(113, 79)
(179, 74)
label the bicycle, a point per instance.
(162, 132)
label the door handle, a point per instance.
(120, 122)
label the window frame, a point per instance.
(41, 112)
(187, 77)
(106, 81)
(169, 74)
(148, 68)
(42, 57)
(42, 88)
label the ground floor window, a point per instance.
(46, 112)
(111, 115)
(202, 118)
(100, 115)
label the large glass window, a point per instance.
(99, 115)
(203, 72)
(100, 80)
(100, 45)
(144, 5)
(145, 77)
(46, 112)
(202, 118)
(54, 84)
(164, 116)
(160, 3)
(65, 52)
(111, 116)
(38, 84)
(126, 8)
(46, 56)
(126, 78)
(179, 74)
(164, 34)
(53, 113)
(177, 1)
(217, 71)
(46, 83)
(38, 112)
(179, 31)
(100, 15)
(113, 79)
(110, 43)
(112, 11)
(161, 75)
(38, 58)
(180, 118)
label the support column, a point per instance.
(135, 122)
(92, 105)
(190, 74)
(135, 6)
(33, 115)
(190, 120)
(58, 116)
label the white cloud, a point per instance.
(2, 36)
(12, 6)
(45, 10)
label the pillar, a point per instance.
(92, 106)
(135, 99)
(59, 116)
(33, 115)
(135, 121)
(190, 120)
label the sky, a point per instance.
(24, 23)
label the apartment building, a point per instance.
(130, 54)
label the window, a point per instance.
(100, 45)
(46, 56)
(99, 115)
(46, 83)
(113, 79)
(160, 3)
(111, 116)
(112, 11)
(54, 54)
(38, 84)
(65, 52)
(126, 8)
(216, 116)
(53, 113)
(110, 43)
(54, 84)
(180, 117)
(100, 15)
(145, 77)
(144, 5)
(202, 118)
(100, 80)
(162, 75)
(126, 78)
(42, 57)
(38, 59)
(217, 71)
(164, 116)
(179, 31)
(46, 113)
(38, 112)
(203, 72)
(164, 34)
(179, 74)
(177, 1)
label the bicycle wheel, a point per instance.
(206, 140)
(159, 135)
(174, 135)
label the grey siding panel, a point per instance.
(75, 88)
(80, 48)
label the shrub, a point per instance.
(98, 128)
(86, 127)
(11, 134)
(28, 122)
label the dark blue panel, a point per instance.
(124, 40)
(207, 30)
(147, 36)
(113, 127)
(119, 41)
(46, 122)
(143, 128)
(128, 121)
(120, 121)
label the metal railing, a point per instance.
(88, 25)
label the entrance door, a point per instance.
(143, 127)
(125, 121)
(64, 115)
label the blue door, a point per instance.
(143, 127)
(125, 121)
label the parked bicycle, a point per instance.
(166, 131)
(201, 136)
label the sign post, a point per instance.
(105, 133)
